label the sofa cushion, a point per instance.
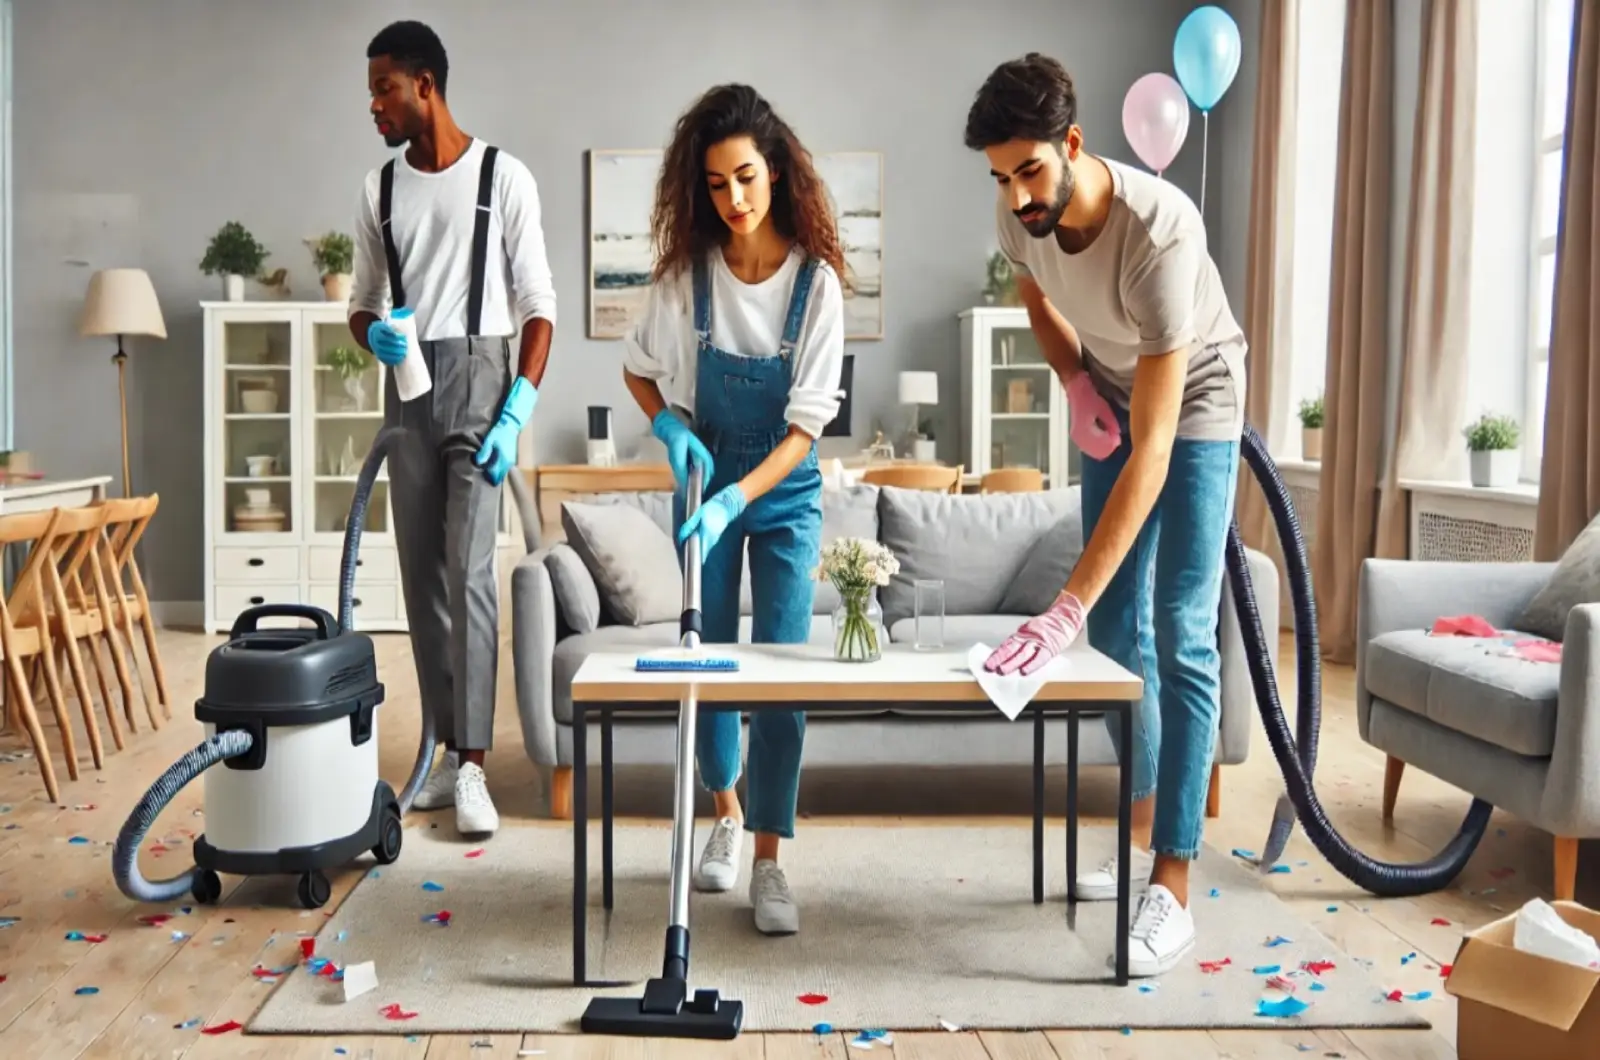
(976, 543)
(961, 632)
(1576, 581)
(848, 512)
(577, 596)
(1050, 560)
(1473, 685)
(633, 563)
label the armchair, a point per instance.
(1522, 735)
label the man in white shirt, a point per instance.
(450, 229)
(1129, 310)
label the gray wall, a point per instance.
(141, 128)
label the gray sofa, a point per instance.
(1522, 735)
(613, 585)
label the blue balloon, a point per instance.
(1205, 55)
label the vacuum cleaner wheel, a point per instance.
(314, 890)
(390, 835)
(207, 887)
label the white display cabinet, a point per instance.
(1015, 412)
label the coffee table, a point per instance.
(1081, 681)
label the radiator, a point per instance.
(1466, 529)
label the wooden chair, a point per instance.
(86, 615)
(32, 642)
(126, 521)
(916, 477)
(1012, 480)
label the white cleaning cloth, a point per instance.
(1012, 692)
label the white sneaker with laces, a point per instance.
(475, 812)
(1100, 884)
(719, 861)
(1162, 934)
(776, 913)
(439, 790)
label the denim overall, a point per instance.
(740, 404)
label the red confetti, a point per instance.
(265, 973)
(222, 1028)
(329, 970)
(1444, 970)
(1395, 995)
(308, 948)
(155, 919)
(395, 1012)
(1278, 982)
(474, 853)
(1213, 967)
(442, 917)
(812, 999)
(157, 849)
(1317, 967)
(92, 938)
(2, 978)
(1439, 921)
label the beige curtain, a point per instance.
(1569, 474)
(1269, 262)
(1358, 314)
(1433, 367)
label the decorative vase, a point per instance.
(336, 287)
(1495, 467)
(1311, 444)
(924, 451)
(233, 287)
(857, 628)
(355, 392)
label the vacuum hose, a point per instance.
(1300, 800)
(125, 854)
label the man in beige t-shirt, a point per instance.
(1128, 308)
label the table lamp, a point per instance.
(122, 302)
(917, 389)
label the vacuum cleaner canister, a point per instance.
(306, 795)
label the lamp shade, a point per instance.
(919, 388)
(121, 302)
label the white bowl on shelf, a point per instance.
(259, 402)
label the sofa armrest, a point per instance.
(1237, 719)
(533, 645)
(1412, 594)
(1571, 802)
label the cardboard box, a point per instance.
(1513, 1005)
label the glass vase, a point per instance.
(857, 629)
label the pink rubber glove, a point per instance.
(1094, 426)
(1039, 639)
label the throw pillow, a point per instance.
(632, 561)
(1576, 581)
(1049, 564)
(575, 590)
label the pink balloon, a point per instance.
(1155, 119)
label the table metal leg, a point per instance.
(1124, 839)
(1038, 803)
(580, 840)
(607, 812)
(1072, 804)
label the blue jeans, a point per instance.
(783, 528)
(1158, 617)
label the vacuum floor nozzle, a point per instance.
(666, 1011)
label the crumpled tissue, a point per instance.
(1541, 932)
(1012, 692)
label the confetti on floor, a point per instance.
(222, 1028)
(478, 853)
(395, 1012)
(85, 991)
(431, 886)
(1280, 1007)
(812, 999)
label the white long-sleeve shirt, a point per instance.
(746, 319)
(432, 216)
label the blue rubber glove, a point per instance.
(682, 447)
(387, 342)
(712, 518)
(498, 454)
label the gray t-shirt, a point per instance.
(1146, 285)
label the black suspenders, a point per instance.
(480, 239)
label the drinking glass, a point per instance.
(929, 604)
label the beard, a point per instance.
(1041, 220)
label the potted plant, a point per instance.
(1311, 413)
(234, 253)
(924, 449)
(1492, 444)
(1001, 288)
(350, 362)
(334, 254)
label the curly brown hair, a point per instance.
(685, 224)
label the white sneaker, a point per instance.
(776, 913)
(1162, 934)
(475, 812)
(719, 861)
(439, 790)
(1100, 884)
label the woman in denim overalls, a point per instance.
(743, 337)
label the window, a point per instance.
(6, 403)
(1550, 117)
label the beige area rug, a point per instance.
(901, 928)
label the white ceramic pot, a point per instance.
(1311, 444)
(924, 450)
(336, 287)
(233, 287)
(1495, 467)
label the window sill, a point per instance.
(1522, 493)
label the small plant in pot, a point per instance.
(1311, 413)
(234, 253)
(334, 254)
(924, 449)
(1492, 444)
(1001, 288)
(350, 362)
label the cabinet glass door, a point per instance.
(1021, 386)
(347, 413)
(257, 445)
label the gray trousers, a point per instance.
(446, 514)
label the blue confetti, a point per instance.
(186, 1025)
(1420, 995)
(1288, 1006)
(77, 840)
(1248, 855)
(7, 921)
(823, 1028)
(1280, 869)
(1333, 909)
(85, 991)
(1318, 987)
(431, 886)
(1146, 988)
(1215, 893)
(1266, 969)
(1278, 940)
(1127, 1031)
(1408, 958)
(341, 936)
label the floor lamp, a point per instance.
(122, 302)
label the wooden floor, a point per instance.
(154, 994)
